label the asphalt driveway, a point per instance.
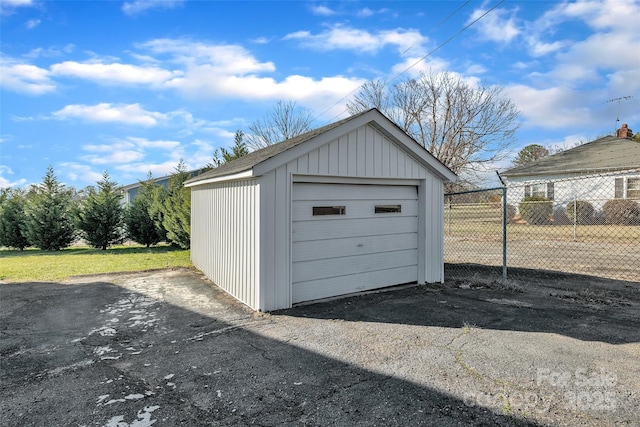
(169, 348)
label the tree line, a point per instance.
(51, 216)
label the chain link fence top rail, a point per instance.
(587, 225)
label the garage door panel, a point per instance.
(303, 191)
(324, 288)
(303, 210)
(358, 250)
(346, 227)
(333, 248)
(331, 267)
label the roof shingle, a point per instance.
(602, 155)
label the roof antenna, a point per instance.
(622, 98)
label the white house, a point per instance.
(352, 206)
(604, 169)
(130, 191)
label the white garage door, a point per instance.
(350, 238)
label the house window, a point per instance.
(633, 188)
(388, 209)
(627, 188)
(619, 191)
(329, 210)
(545, 190)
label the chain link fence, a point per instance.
(588, 225)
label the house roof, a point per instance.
(137, 184)
(607, 154)
(250, 161)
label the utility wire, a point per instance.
(441, 45)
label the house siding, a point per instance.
(225, 236)
(597, 189)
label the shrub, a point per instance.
(560, 217)
(621, 212)
(536, 210)
(580, 212)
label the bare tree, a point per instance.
(462, 125)
(285, 120)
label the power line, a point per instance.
(466, 27)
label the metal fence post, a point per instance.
(504, 235)
(575, 216)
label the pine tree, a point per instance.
(222, 155)
(139, 219)
(177, 208)
(48, 221)
(12, 219)
(100, 216)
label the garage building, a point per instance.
(352, 206)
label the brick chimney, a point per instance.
(624, 132)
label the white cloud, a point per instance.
(323, 11)
(261, 40)
(136, 170)
(498, 26)
(17, 3)
(413, 66)
(551, 108)
(6, 182)
(157, 144)
(25, 78)
(77, 172)
(346, 38)
(114, 72)
(231, 71)
(225, 59)
(49, 52)
(364, 13)
(32, 23)
(8, 6)
(131, 114)
(129, 150)
(139, 6)
(126, 156)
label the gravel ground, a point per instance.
(169, 348)
(600, 259)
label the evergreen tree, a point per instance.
(177, 208)
(100, 216)
(12, 219)
(139, 218)
(223, 155)
(48, 223)
(530, 153)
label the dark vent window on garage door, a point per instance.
(388, 209)
(329, 210)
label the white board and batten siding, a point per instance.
(225, 235)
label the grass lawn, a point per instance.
(485, 221)
(37, 265)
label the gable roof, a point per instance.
(607, 154)
(261, 161)
(139, 183)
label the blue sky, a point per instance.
(132, 87)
